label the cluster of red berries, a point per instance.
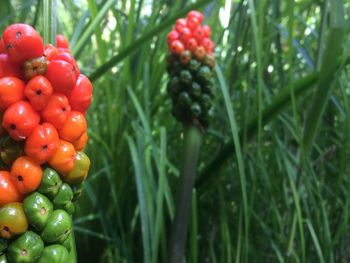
(43, 103)
(190, 64)
(188, 34)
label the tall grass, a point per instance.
(265, 191)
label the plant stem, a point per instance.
(192, 143)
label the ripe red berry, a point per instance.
(20, 119)
(68, 57)
(42, 143)
(172, 35)
(177, 47)
(195, 14)
(22, 42)
(206, 30)
(50, 51)
(198, 33)
(57, 110)
(191, 44)
(180, 23)
(11, 91)
(193, 23)
(61, 41)
(7, 68)
(62, 75)
(38, 91)
(185, 34)
(208, 45)
(81, 95)
(2, 46)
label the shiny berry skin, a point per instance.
(38, 91)
(63, 159)
(185, 34)
(13, 221)
(195, 14)
(68, 57)
(191, 44)
(208, 45)
(20, 119)
(61, 75)
(8, 190)
(61, 41)
(8, 69)
(193, 23)
(42, 143)
(26, 174)
(74, 127)
(172, 35)
(81, 95)
(22, 42)
(34, 67)
(50, 51)
(177, 47)
(11, 91)
(57, 110)
(180, 23)
(206, 31)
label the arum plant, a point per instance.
(190, 65)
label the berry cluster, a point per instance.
(190, 64)
(43, 103)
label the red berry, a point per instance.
(195, 14)
(198, 33)
(172, 35)
(2, 46)
(68, 57)
(20, 119)
(206, 30)
(208, 45)
(50, 51)
(185, 34)
(61, 41)
(81, 95)
(11, 91)
(22, 43)
(177, 47)
(42, 143)
(7, 68)
(191, 44)
(180, 23)
(57, 110)
(38, 91)
(62, 75)
(193, 23)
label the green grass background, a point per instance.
(273, 183)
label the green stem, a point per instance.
(192, 143)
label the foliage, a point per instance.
(269, 196)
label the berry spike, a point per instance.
(190, 65)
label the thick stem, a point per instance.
(192, 143)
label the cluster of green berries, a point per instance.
(190, 65)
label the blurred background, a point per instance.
(265, 192)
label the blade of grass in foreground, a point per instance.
(237, 147)
(280, 101)
(327, 73)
